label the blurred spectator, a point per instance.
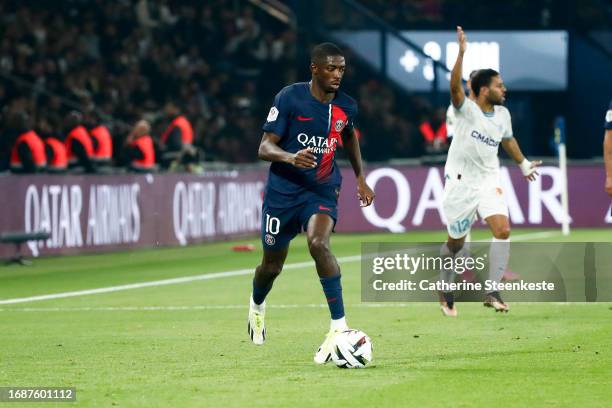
(57, 157)
(434, 132)
(177, 140)
(79, 146)
(140, 149)
(28, 152)
(102, 142)
(179, 132)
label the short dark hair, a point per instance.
(322, 51)
(482, 78)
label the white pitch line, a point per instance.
(207, 276)
(162, 282)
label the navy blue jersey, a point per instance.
(608, 124)
(302, 121)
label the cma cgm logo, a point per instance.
(319, 144)
(484, 139)
(403, 214)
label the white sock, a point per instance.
(499, 254)
(258, 308)
(338, 324)
(446, 275)
(467, 245)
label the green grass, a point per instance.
(186, 345)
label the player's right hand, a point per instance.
(609, 185)
(461, 40)
(304, 159)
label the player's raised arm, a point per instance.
(528, 168)
(351, 145)
(269, 150)
(456, 85)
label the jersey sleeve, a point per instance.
(277, 121)
(467, 110)
(507, 132)
(608, 124)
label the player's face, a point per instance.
(496, 92)
(329, 73)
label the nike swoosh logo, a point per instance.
(303, 118)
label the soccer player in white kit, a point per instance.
(472, 183)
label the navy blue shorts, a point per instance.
(280, 225)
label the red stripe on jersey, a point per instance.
(337, 117)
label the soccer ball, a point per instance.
(352, 349)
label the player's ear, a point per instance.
(313, 67)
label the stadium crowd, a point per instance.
(136, 67)
(119, 62)
(217, 64)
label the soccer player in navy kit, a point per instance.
(300, 138)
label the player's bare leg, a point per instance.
(319, 229)
(447, 299)
(499, 254)
(265, 274)
(270, 267)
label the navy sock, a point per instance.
(333, 293)
(259, 294)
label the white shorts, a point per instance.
(462, 200)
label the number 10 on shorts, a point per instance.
(272, 225)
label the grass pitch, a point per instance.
(184, 345)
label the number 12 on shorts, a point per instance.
(272, 225)
(460, 226)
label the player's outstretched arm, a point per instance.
(528, 168)
(351, 145)
(269, 150)
(608, 160)
(456, 84)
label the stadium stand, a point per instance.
(219, 62)
(206, 58)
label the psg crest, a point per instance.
(270, 239)
(339, 125)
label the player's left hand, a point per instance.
(365, 193)
(529, 169)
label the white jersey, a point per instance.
(476, 139)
